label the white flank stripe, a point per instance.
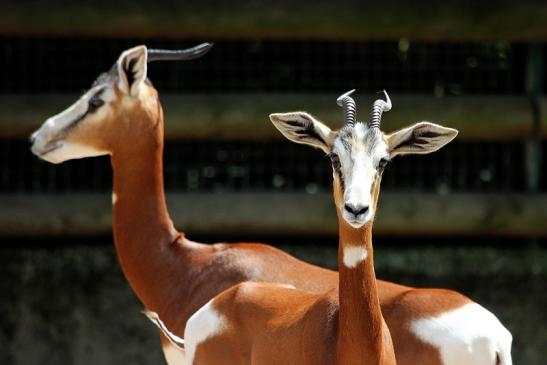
(203, 324)
(469, 335)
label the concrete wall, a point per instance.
(69, 304)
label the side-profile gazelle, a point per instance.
(267, 323)
(121, 116)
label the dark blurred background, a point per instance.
(471, 217)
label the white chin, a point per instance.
(47, 157)
(44, 155)
(69, 151)
(357, 222)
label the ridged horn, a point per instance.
(378, 108)
(179, 55)
(350, 109)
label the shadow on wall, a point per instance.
(71, 306)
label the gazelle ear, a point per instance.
(132, 70)
(301, 127)
(421, 138)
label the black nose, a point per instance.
(356, 210)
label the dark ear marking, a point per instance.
(403, 143)
(411, 142)
(301, 127)
(417, 140)
(304, 129)
(311, 132)
(421, 139)
(130, 72)
(294, 123)
(426, 134)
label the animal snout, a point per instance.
(39, 145)
(356, 209)
(33, 137)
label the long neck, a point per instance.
(361, 330)
(143, 229)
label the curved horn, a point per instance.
(179, 55)
(347, 102)
(378, 108)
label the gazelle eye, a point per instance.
(95, 102)
(335, 160)
(382, 164)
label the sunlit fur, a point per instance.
(256, 323)
(261, 324)
(175, 276)
(373, 150)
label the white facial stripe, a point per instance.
(59, 122)
(72, 113)
(205, 323)
(359, 169)
(63, 119)
(108, 95)
(353, 255)
(361, 178)
(468, 335)
(344, 156)
(361, 130)
(114, 198)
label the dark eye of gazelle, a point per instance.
(382, 164)
(335, 160)
(95, 102)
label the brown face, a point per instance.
(89, 126)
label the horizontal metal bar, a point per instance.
(280, 19)
(245, 116)
(290, 214)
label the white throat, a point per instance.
(354, 255)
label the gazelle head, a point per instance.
(360, 151)
(100, 117)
